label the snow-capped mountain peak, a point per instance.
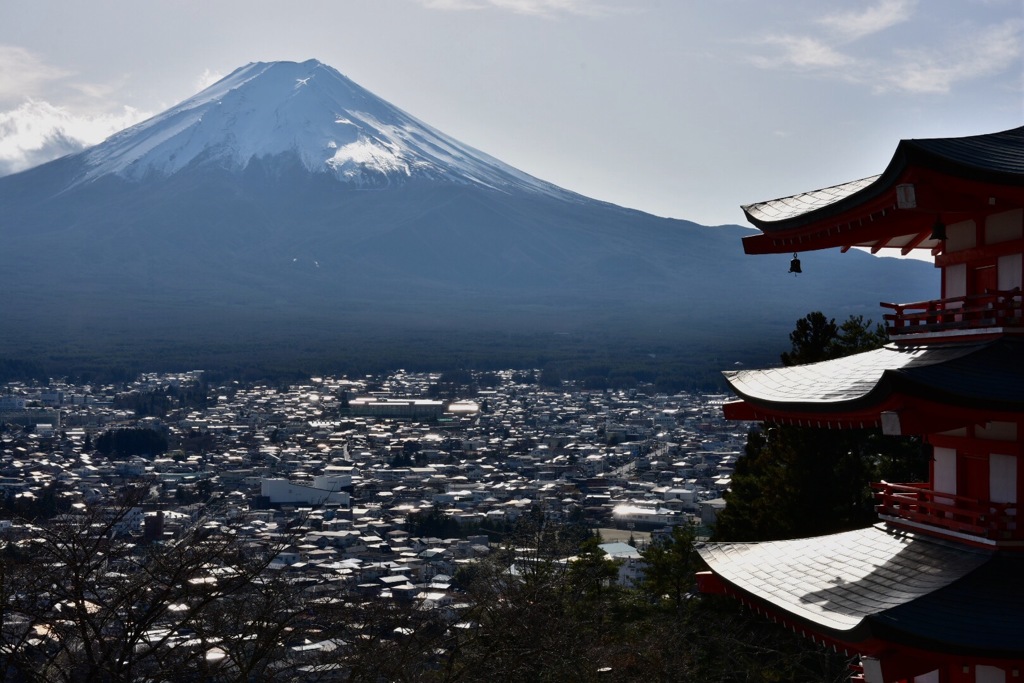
(309, 110)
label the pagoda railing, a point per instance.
(994, 308)
(946, 511)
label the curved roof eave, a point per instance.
(985, 375)
(838, 581)
(882, 584)
(994, 157)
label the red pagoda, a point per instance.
(933, 593)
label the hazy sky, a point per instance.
(676, 107)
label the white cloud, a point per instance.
(531, 7)
(452, 4)
(207, 78)
(98, 94)
(802, 52)
(23, 74)
(971, 53)
(37, 132)
(854, 25)
(974, 55)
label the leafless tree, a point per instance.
(83, 602)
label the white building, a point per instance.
(635, 516)
(629, 560)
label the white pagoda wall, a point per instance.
(969, 234)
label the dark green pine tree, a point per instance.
(671, 565)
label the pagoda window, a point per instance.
(944, 471)
(1010, 271)
(989, 674)
(961, 236)
(1004, 476)
(954, 281)
(1004, 227)
(1002, 481)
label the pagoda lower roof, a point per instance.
(979, 376)
(879, 584)
(949, 179)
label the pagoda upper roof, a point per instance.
(955, 378)
(774, 212)
(950, 179)
(879, 583)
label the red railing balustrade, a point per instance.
(994, 308)
(946, 511)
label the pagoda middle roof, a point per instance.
(953, 176)
(979, 375)
(882, 583)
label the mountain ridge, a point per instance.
(333, 125)
(178, 251)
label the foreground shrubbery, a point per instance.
(81, 604)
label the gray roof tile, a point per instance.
(984, 374)
(879, 569)
(798, 204)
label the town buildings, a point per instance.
(267, 460)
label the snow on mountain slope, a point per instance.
(309, 109)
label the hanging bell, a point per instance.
(794, 265)
(938, 230)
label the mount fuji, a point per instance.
(309, 111)
(286, 208)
